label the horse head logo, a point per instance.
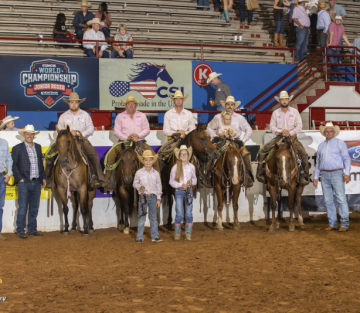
(143, 80)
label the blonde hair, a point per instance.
(223, 115)
(122, 26)
(179, 170)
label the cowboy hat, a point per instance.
(74, 97)
(338, 17)
(178, 95)
(323, 5)
(147, 154)
(230, 99)
(6, 120)
(212, 76)
(95, 20)
(329, 125)
(28, 129)
(303, 1)
(84, 4)
(284, 95)
(183, 147)
(130, 99)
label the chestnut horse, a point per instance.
(228, 175)
(283, 174)
(71, 177)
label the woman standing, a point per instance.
(122, 49)
(104, 17)
(280, 6)
(227, 6)
(182, 178)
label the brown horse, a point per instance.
(228, 174)
(283, 174)
(71, 176)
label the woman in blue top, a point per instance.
(124, 49)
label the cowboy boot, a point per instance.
(227, 16)
(305, 179)
(177, 232)
(188, 230)
(94, 160)
(49, 168)
(281, 39)
(260, 172)
(276, 37)
(246, 156)
(223, 17)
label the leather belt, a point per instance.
(3, 173)
(150, 195)
(33, 179)
(329, 171)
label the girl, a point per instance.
(183, 177)
(104, 17)
(280, 7)
(60, 31)
(226, 130)
(122, 49)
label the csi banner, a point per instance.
(149, 81)
(39, 84)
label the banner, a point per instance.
(39, 84)
(149, 81)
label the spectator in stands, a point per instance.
(302, 24)
(95, 34)
(336, 9)
(292, 31)
(279, 10)
(312, 11)
(356, 44)
(323, 23)
(217, 5)
(203, 3)
(336, 32)
(8, 123)
(222, 90)
(242, 14)
(125, 50)
(60, 31)
(227, 6)
(80, 18)
(104, 17)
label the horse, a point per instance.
(283, 174)
(71, 180)
(228, 177)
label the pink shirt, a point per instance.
(189, 173)
(290, 120)
(338, 31)
(300, 14)
(238, 121)
(174, 122)
(125, 125)
(149, 180)
(81, 121)
(99, 15)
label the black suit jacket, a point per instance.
(21, 162)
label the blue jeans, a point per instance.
(242, 12)
(334, 68)
(217, 4)
(29, 196)
(62, 37)
(204, 3)
(91, 53)
(279, 26)
(106, 31)
(2, 198)
(180, 198)
(127, 53)
(332, 182)
(152, 212)
(79, 33)
(302, 38)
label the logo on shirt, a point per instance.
(201, 73)
(49, 81)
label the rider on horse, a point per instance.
(241, 125)
(285, 121)
(81, 127)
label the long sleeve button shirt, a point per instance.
(338, 31)
(222, 91)
(81, 121)
(238, 121)
(331, 155)
(79, 18)
(93, 35)
(189, 173)
(149, 180)
(125, 125)
(34, 165)
(6, 161)
(301, 15)
(174, 122)
(291, 120)
(323, 21)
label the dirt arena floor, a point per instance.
(246, 270)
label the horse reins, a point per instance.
(68, 178)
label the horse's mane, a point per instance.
(140, 68)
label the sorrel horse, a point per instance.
(71, 180)
(228, 175)
(283, 174)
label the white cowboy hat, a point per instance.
(28, 129)
(323, 5)
(329, 125)
(74, 97)
(130, 99)
(84, 4)
(147, 154)
(284, 95)
(338, 17)
(6, 120)
(178, 95)
(230, 99)
(95, 20)
(183, 147)
(212, 76)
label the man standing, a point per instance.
(5, 163)
(80, 18)
(285, 121)
(29, 173)
(222, 90)
(241, 126)
(323, 23)
(356, 44)
(336, 9)
(95, 34)
(302, 24)
(332, 157)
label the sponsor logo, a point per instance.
(201, 73)
(354, 151)
(49, 81)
